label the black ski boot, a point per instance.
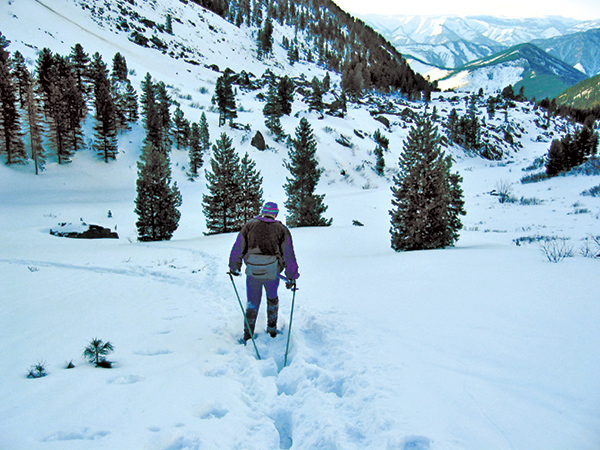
(251, 315)
(272, 310)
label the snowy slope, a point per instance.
(484, 345)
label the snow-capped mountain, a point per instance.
(580, 50)
(540, 74)
(449, 42)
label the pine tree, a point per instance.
(285, 92)
(181, 129)
(251, 190)
(380, 163)
(21, 76)
(148, 98)
(105, 128)
(123, 93)
(304, 207)
(315, 99)
(265, 39)
(195, 152)
(381, 139)
(220, 206)
(34, 121)
(204, 133)
(272, 110)
(426, 196)
(157, 201)
(80, 62)
(10, 127)
(157, 118)
(225, 99)
(64, 105)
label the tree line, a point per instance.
(54, 101)
(333, 38)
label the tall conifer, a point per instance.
(10, 127)
(427, 197)
(157, 201)
(305, 208)
(251, 189)
(220, 206)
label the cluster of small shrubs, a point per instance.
(558, 248)
(95, 353)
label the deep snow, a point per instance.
(486, 345)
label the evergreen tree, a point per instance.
(10, 127)
(181, 129)
(21, 76)
(251, 190)
(556, 160)
(315, 99)
(427, 197)
(34, 121)
(80, 62)
(127, 104)
(119, 68)
(157, 118)
(272, 110)
(157, 201)
(304, 207)
(105, 128)
(285, 92)
(64, 105)
(225, 99)
(265, 39)
(380, 163)
(220, 206)
(381, 139)
(148, 98)
(124, 95)
(195, 152)
(204, 133)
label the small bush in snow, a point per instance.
(503, 191)
(556, 250)
(530, 201)
(38, 370)
(590, 247)
(96, 351)
(534, 178)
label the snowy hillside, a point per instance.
(486, 345)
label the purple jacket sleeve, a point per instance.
(237, 253)
(289, 256)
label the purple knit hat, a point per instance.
(269, 209)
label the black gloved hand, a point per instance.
(291, 284)
(235, 273)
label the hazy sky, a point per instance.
(578, 9)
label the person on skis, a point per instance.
(265, 245)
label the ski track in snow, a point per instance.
(321, 374)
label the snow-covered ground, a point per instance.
(486, 345)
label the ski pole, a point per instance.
(287, 346)
(244, 313)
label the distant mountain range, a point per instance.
(449, 42)
(524, 65)
(487, 52)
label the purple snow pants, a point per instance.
(254, 288)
